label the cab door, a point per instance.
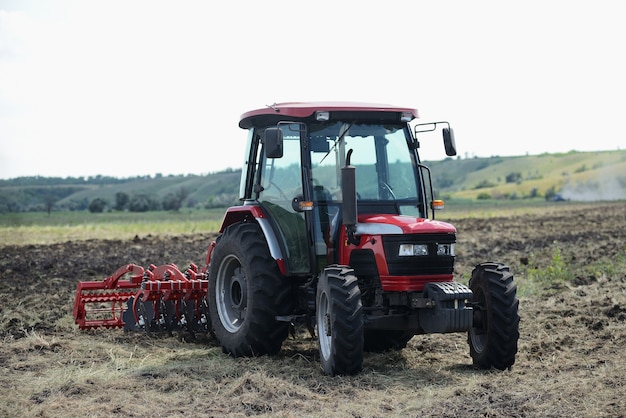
(281, 182)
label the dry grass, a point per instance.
(105, 374)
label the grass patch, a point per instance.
(555, 273)
(536, 279)
(561, 271)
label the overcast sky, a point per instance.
(126, 88)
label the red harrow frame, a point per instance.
(159, 298)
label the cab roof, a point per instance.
(305, 111)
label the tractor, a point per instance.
(335, 232)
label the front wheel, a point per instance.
(339, 318)
(247, 293)
(495, 329)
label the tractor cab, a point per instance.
(298, 159)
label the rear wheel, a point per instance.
(247, 293)
(495, 329)
(339, 316)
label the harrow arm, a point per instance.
(100, 303)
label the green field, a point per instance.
(41, 228)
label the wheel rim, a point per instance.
(478, 334)
(231, 294)
(323, 325)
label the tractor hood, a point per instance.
(398, 224)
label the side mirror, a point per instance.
(273, 140)
(448, 142)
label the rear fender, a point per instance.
(238, 214)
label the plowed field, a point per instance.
(569, 266)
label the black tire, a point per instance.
(339, 317)
(378, 341)
(495, 331)
(246, 293)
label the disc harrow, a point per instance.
(156, 299)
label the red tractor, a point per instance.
(336, 232)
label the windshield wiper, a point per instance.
(338, 140)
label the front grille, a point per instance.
(418, 265)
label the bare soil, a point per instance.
(571, 359)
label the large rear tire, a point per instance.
(495, 331)
(339, 315)
(246, 294)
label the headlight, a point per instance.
(445, 249)
(322, 116)
(407, 250)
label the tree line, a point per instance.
(69, 181)
(140, 202)
(137, 194)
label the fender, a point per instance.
(252, 213)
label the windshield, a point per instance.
(384, 168)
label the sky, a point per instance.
(134, 88)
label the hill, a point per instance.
(42, 193)
(577, 176)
